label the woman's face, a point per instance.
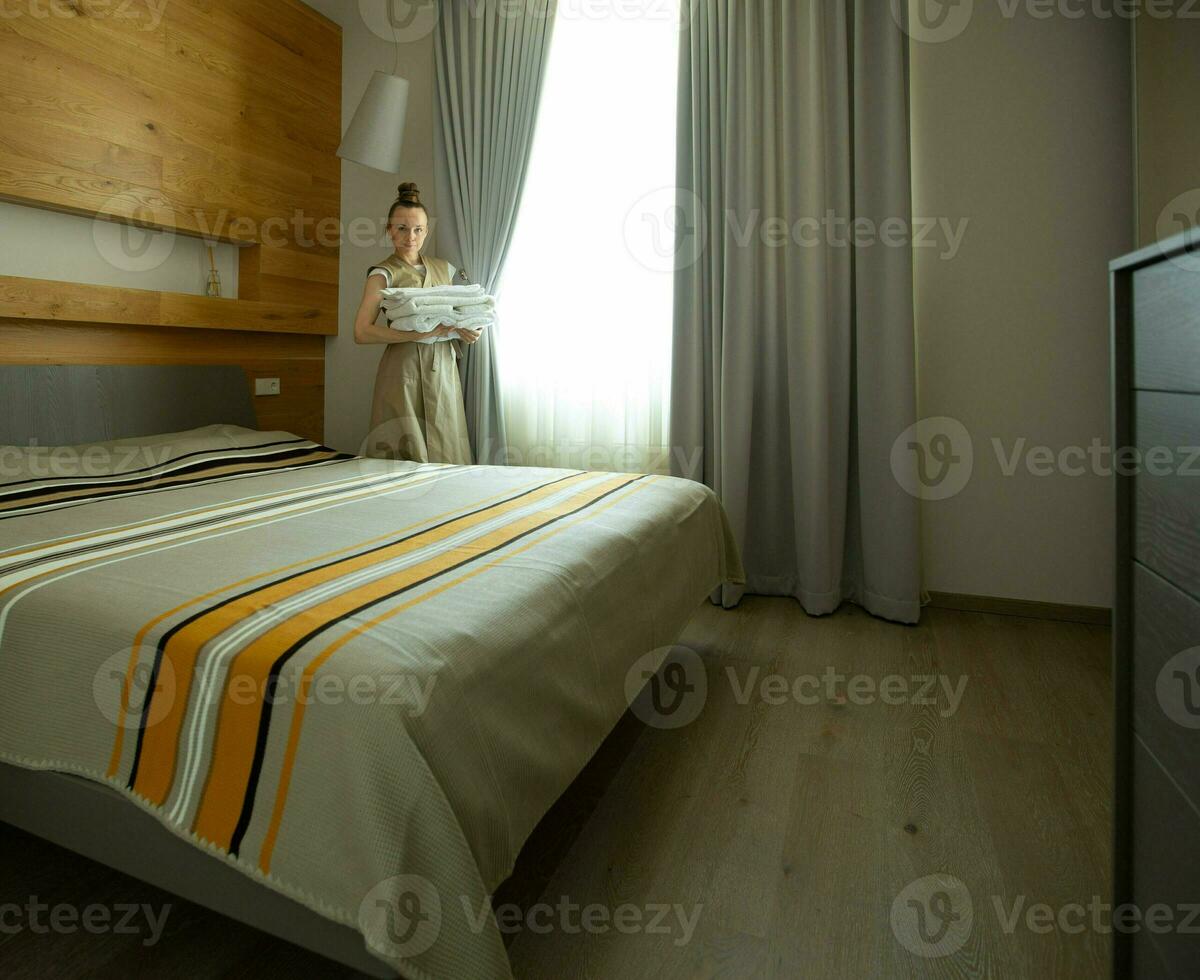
(408, 229)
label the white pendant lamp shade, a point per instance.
(376, 133)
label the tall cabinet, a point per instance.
(1156, 624)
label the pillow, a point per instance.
(36, 479)
(34, 465)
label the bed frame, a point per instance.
(70, 405)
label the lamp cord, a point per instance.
(396, 38)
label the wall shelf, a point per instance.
(72, 302)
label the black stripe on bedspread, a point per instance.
(253, 509)
(264, 724)
(161, 646)
(66, 493)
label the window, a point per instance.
(585, 343)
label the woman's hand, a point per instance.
(469, 336)
(444, 330)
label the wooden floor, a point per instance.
(798, 838)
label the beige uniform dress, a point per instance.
(417, 412)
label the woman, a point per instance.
(417, 411)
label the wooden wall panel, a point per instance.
(214, 118)
(70, 302)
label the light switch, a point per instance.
(266, 386)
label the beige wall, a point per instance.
(1022, 126)
(1168, 136)
(350, 368)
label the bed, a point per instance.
(330, 696)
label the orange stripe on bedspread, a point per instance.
(160, 743)
(140, 639)
(267, 853)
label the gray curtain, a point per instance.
(794, 358)
(490, 61)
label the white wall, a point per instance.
(350, 368)
(41, 244)
(1023, 126)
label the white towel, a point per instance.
(475, 322)
(423, 310)
(428, 323)
(448, 295)
(420, 322)
(475, 308)
(430, 318)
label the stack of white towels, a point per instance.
(422, 310)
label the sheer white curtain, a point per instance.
(586, 299)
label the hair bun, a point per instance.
(408, 194)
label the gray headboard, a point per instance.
(62, 405)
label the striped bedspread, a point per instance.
(360, 682)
